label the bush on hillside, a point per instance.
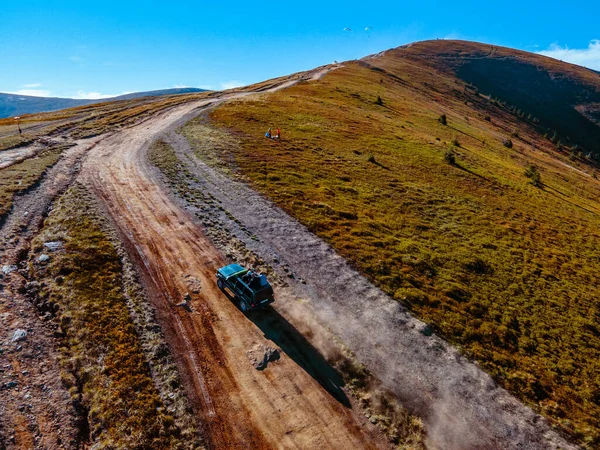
(379, 101)
(450, 157)
(507, 143)
(442, 119)
(533, 173)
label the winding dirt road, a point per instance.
(296, 402)
(240, 407)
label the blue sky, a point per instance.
(90, 49)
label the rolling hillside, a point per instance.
(461, 179)
(559, 98)
(15, 105)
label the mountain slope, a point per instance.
(15, 105)
(404, 163)
(564, 98)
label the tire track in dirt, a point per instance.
(462, 406)
(280, 407)
(38, 412)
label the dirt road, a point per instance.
(280, 407)
(297, 401)
(462, 406)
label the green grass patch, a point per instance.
(176, 172)
(210, 144)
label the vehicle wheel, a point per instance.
(243, 306)
(220, 283)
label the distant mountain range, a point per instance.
(16, 105)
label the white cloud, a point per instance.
(208, 87)
(82, 95)
(180, 86)
(231, 84)
(32, 92)
(32, 85)
(587, 57)
(454, 36)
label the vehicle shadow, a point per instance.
(277, 329)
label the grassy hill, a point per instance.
(413, 163)
(560, 98)
(15, 105)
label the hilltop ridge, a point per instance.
(462, 179)
(559, 98)
(16, 104)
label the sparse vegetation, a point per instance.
(533, 173)
(507, 143)
(404, 430)
(443, 120)
(450, 157)
(104, 364)
(22, 176)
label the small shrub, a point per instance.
(507, 143)
(488, 118)
(443, 120)
(347, 215)
(372, 159)
(533, 173)
(478, 265)
(379, 101)
(455, 142)
(450, 157)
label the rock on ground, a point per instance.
(261, 355)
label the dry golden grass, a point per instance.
(505, 270)
(20, 177)
(103, 361)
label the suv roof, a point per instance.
(231, 270)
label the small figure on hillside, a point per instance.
(278, 134)
(268, 133)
